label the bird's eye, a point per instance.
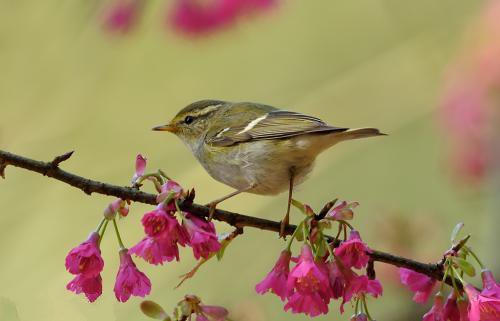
(188, 120)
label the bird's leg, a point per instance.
(212, 205)
(285, 220)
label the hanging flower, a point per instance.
(436, 313)
(482, 307)
(86, 257)
(91, 286)
(353, 252)
(360, 284)
(310, 285)
(202, 236)
(276, 280)
(419, 283)
(129, 280)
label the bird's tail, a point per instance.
(356, 133)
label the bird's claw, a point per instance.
(283, 225)
(211, 211)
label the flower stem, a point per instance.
(162, 173)
(328, 247)
(458, 275)
(118, 237)
(363, 297)
(103, 230)
(156, 178)
(346, 223)
(335, 240)
(476, 258)
(446, 272)
(181, 213)
(100, 225)
(294, 235)
(453, 281)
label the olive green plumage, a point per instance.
(254, 147)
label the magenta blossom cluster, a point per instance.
(465, 303)
(189, 17)
(164, 233)
(322, 273)
(86, 263)
(477, 305)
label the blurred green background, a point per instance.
(67, 85)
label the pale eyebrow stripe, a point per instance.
(207, 110)
(252, 124)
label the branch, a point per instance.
(51, 169)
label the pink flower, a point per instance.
(90, 285)
(158, 222)
(436, 312)
(353, 252)
(463, 309)
(118, 205)
(213, 312)
(121, 17)
(311, 303)
(342, 212)
(86, 257)
(337, 279)
(197, 17)
(310, 281)
(156, 250)
(419, 283)
(357, 284)
(163, 233)
(482, 307)
(450, 309)
(170, 187)
(490, 286)
(129, 280)
(140, 167)
(275, 281)
(202, 236)
(469, 103)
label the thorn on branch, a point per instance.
(56, 161)
(61, 158)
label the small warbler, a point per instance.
(256, 148)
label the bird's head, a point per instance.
(193, 121)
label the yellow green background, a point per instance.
(67, 85)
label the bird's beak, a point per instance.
(166, 128)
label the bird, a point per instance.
(256, 148)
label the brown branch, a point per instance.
(89, 186)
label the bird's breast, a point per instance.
(264, 164)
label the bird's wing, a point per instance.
(275, 124)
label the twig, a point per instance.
(89, 186)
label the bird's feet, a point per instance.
(211, 209)
(283, 226)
